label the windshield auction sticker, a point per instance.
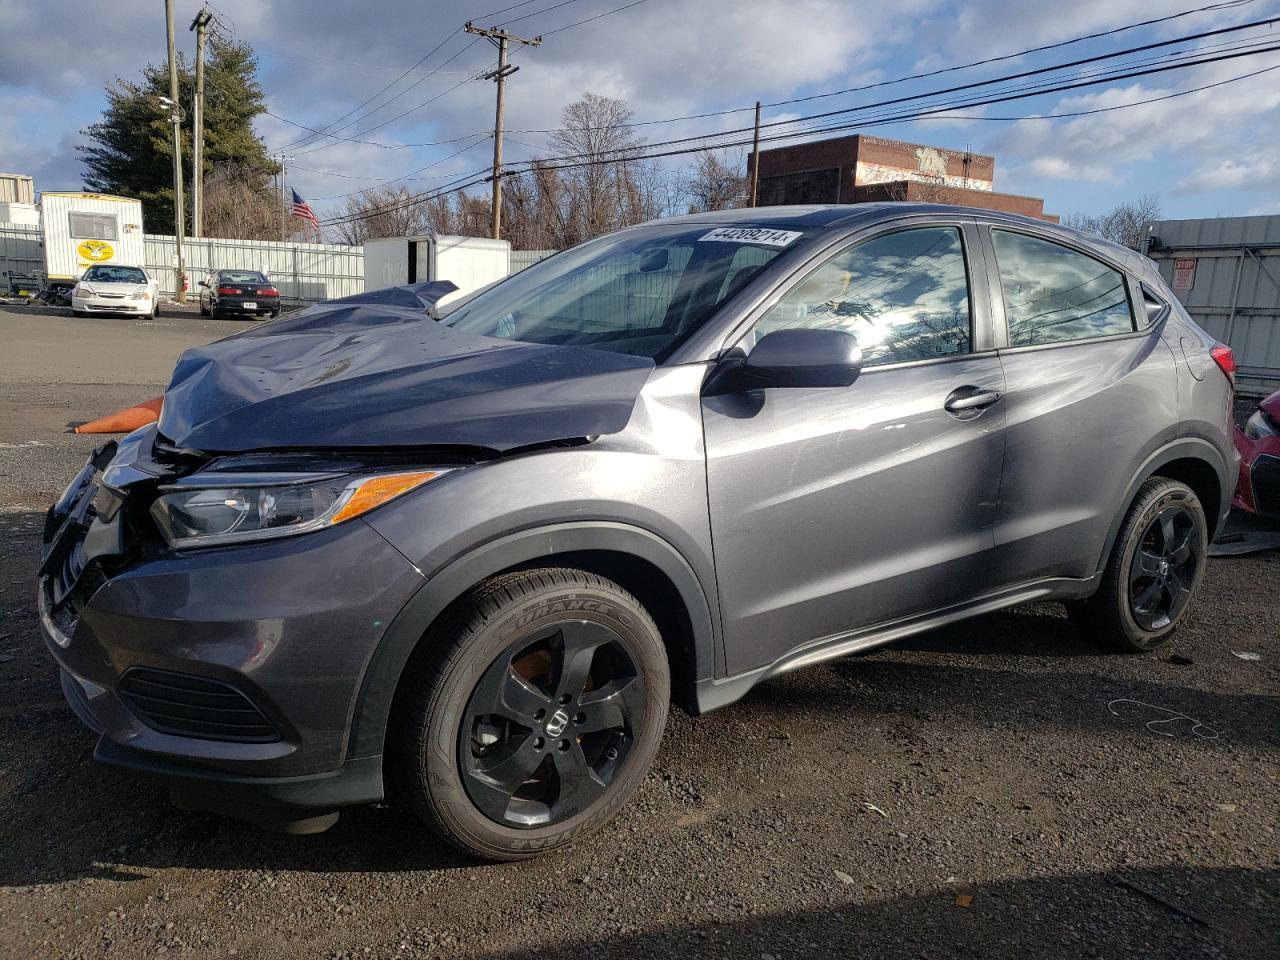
(771, 238)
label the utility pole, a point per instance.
(284, 207)
(175, 120)
(199, 25)
(500, 39)
(755, 159)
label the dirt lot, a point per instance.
(844, 810)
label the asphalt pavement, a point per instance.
(1001, 788)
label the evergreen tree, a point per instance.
(131, 153)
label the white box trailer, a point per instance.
(79, 230)
(470, 262)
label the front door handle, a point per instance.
(970, 400)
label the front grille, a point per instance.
(189, 706)
(1266, 484)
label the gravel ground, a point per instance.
(1002, 788)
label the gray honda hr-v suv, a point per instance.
(473, 552)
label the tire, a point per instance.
(204, 311)
(1153, 576)
(489, 654)
(217, 314)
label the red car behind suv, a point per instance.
(1259, 446)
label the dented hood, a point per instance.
(363, 375)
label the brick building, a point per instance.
(864, 169)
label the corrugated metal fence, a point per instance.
(21, 260)
(1226, 272)
(527, 258)
(304, 272)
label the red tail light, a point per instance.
(229, 291)
(268, 292)
(1225, 359)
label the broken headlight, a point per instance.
(1260, 425)
(200, 516)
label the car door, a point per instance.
(1091, 392)
(838, 508)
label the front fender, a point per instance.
(382, 674)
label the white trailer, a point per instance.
(470, 262)
(79, 230)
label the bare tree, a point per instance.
(389, 211)
(714, 184)
(603, 185)
(1125, 223)
(237, 206)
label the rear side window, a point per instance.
(1053, 293)
(903, 295)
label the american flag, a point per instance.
(303, 209)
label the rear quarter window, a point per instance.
(1053, 293)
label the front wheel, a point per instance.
(1155, 570)
(534, 715)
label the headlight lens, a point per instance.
(141, 295)
(208, 516)
(1259, 426)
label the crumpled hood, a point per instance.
(355, 375)
(1271, 405)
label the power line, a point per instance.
(1228, 4)
(976, 84)
(407, 176)
(551, 164)
(536, 13)
(598, 16)
(884, 83)
(378, 126)
(933, 113)
(388, 86)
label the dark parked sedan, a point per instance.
(479, 556)
(238, 291)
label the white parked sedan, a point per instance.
(110, 288)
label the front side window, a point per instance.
(904, 295)
(94, 226)
(641, 291)
(1053, 293)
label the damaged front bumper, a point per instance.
(230, 674)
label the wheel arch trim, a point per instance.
(382, 674)
(1184, 448)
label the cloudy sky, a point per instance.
(1215, 152)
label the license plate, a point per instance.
(249, 305)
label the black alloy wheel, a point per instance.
(1164, 567)
(550, 724)
(1154, 572)
(531, 714)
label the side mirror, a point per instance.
(804, 358)
(202, 283)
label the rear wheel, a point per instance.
(1155, 570)
(536, 715)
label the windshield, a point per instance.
(241, 276)
(102, 274)
(641, 291)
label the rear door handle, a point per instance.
(970, 399)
